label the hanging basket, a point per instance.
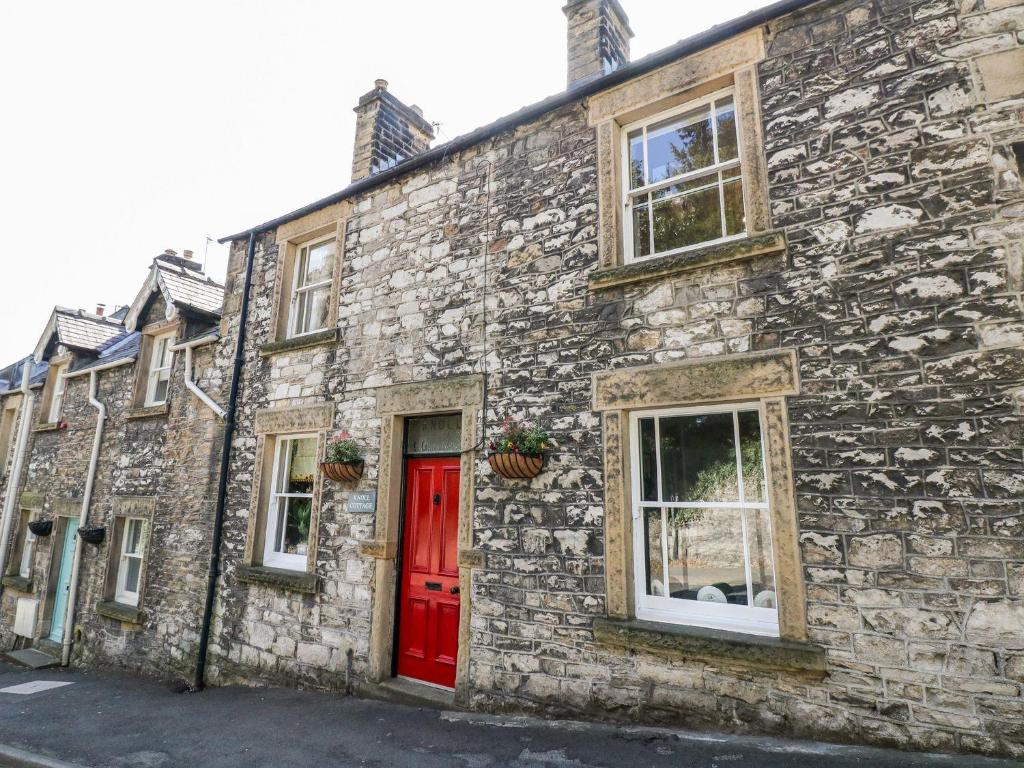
(516, 466)
(92, 536)
(41, 528)
(343, 471)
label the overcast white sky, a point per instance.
(130, 127)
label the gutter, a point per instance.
(199, 680)
(21, 449)
(188, 346)
(690, 45)
(90, 480)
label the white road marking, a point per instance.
(36, 686)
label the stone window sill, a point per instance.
(769, 653)
(319, 339)
(17, 583)
(52, 427)
(665, 266)
(293, 581)
(127, 614)
(149, 412)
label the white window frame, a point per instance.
(57, 398)
(122, 594)
(271, 557)
(629, 194)
(27, 547)
(155, 369)
(293, 311)
(669, 610)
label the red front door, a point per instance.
(428, 620)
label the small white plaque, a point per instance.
(36, 686)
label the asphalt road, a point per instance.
(102, 720)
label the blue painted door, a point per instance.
(60, 602)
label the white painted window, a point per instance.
(682, 179)
(702, 538)
(57, 399)
(129, 568)
(161, 360)
(291, 503)
(27, 545)
(311, 288)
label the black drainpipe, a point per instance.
(225, 461)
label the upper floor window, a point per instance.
(57, 398)
(702, 533)
(311, 289)
(683, 180)
(160, 362)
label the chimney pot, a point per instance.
(187, 254)
(380, 83)
(100, 309)
(170, 252)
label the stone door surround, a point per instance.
(396, 403)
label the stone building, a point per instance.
(138, 593)
(762, 288)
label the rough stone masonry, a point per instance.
(890, 134)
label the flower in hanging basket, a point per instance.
(92, 535)
(344, 459)
(519, 450)
(41, 528)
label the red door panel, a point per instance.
(428, 620)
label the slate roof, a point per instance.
(10, 377)
(79, 329)
(124, 347)
(190, 289)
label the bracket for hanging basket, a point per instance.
(92, 536)
(41, 528)
(343, 471)
(515, 466)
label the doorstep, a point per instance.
(397, 690)
(32, 658)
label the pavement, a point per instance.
(109, 720)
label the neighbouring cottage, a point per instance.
(763, 288)
(139, 577)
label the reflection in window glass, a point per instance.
(291, 505)
(698, 458)
(311, 295)
(686, 173)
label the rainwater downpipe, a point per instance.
(90, 481)
(20, 449)
(199, 681)
(188, 346)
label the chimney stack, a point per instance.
(170, 256)
(100, 309)
(599, 36)
(387, 132)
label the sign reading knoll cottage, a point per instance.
(362, 502)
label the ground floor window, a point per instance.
(129, 568)
(702, 533)
(291, 503)
(24, 548)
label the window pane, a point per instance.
(648, 459)
(133, 538)
(698, 458)
(636, 159)
(132, 566)
(317, 263)
(687, 220)
(752, 455)
(653, 552)
(674, 148)
(302, 465)
(160, 389)
(293, 525)
(728, 145)
(762, 569)
(434, 434)
(735, 219)
(642, 229)
(312, 310)
(705, 555)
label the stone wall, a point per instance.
(892, 178)
(171, 458)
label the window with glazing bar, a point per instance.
(311, 289)
(129, 569)
(291, 503)
(684, 186)
(160, 363)
(702, 532)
